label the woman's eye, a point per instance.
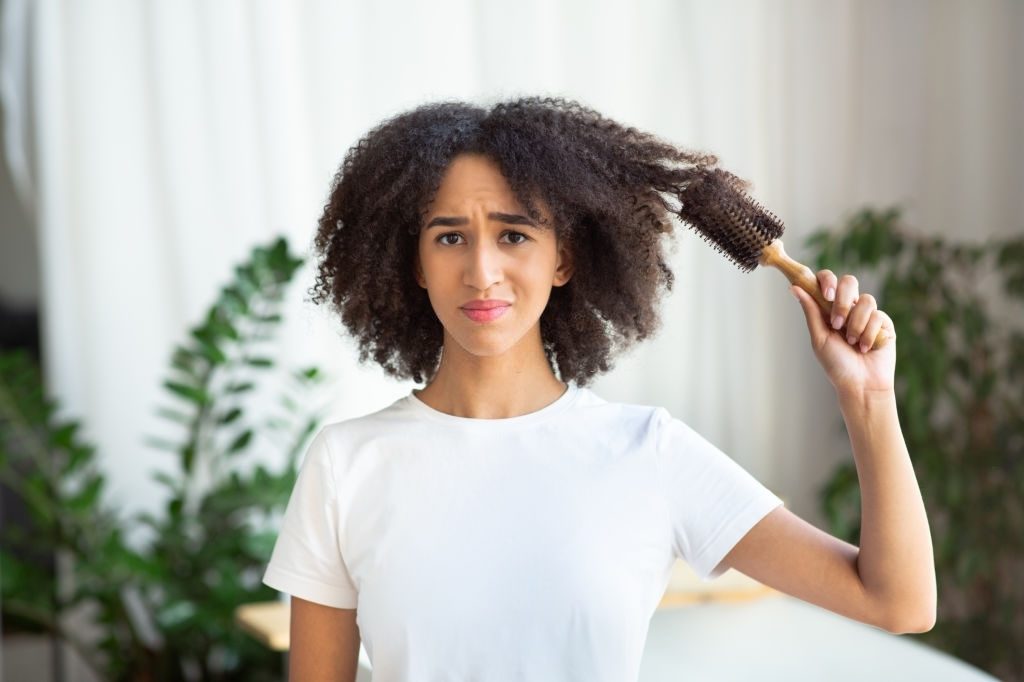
(510, 233)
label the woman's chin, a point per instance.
(485, 343)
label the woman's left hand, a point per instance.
(850, 369)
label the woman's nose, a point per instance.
(484, 266)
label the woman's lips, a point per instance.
(485, 315)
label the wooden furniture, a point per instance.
(266, 621)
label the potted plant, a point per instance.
(162, 611)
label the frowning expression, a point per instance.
(477, 248)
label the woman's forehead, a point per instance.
(473, 176)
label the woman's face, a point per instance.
(477, 244)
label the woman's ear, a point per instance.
(417, 271)
(565, 266)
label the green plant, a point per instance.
(163, 611)
(961, 408)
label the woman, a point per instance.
(505, 522)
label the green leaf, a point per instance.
(240, 387)
(78, 456)
(169, 481)
(235, 301)
(175, 614)
(86, 498)
(190, 393)
(261, 544)
(209, 350)
(240, 442)
(40, 500)
(247, 279)
(28, 585)
(230, 416)
(309, 373)
(1010, 254)
(63, 436)
(221, 328)
(188, 456)
(185, 360)
(278, 254)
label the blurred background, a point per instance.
(163, 167)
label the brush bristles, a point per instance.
(714, 204)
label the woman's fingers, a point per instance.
(827, 284)
(859, 319)
(871, 331)
(846, 297)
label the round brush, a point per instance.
(714, 204)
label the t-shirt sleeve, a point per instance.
(307, 558)
(712, 500)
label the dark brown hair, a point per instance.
(610, 190)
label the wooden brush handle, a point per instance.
(799, 274)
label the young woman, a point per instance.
(505, 522)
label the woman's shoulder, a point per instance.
(346, 432)
(621, 413)
(591, 398)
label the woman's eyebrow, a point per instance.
(509, 218)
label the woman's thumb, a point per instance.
(812, 313)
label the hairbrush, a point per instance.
(714, 204)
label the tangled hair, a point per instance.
(609, 188)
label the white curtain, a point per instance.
(157, 142)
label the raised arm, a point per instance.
(889, 581)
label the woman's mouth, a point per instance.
(485, 315)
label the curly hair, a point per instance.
(610, 190)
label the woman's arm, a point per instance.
(896, 560)
(324, 643)
(889, 581)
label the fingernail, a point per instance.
(863, 348)
(837, 321)
(851, 340)
(830, 293)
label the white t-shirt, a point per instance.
(535, 547)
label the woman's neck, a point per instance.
(491, 388)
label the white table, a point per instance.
(779, 638)
(782, 638)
